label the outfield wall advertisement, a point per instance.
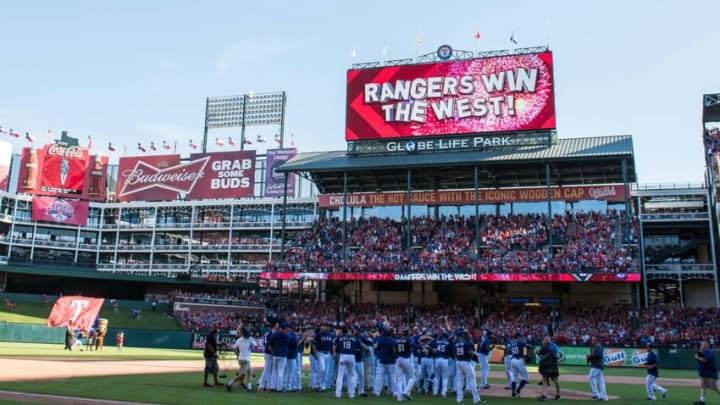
(495, 94)
(469, 277)
(577, 356)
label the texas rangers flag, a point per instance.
(75, 311)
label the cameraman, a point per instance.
(707, 370)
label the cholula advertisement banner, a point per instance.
(275, 182)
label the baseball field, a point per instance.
(47, 374)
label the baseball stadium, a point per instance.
(457, 210)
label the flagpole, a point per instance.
(418, 39)
(547, 29)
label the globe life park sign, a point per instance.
(451, 144)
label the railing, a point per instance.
(668, 186)
(679, 267)
(182, 267)
(674, 216)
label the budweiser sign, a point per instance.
(144, 176)
(71, 152)
(203, 176)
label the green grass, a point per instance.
(185, 389)
(37, 313)
(42, 350)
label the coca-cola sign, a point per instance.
(60, 170)
(204, 176)
(70, 152)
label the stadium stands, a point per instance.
(661, 325)
(584, 242)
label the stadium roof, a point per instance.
(574, 161)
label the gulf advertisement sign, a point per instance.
(497, 94)
(60, 170)
(203, 176)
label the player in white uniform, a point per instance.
(242, 346)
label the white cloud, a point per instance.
(250, 49)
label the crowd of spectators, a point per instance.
(577, 242)
(711, 140)
(661, 325)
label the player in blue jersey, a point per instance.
(291, 375)
(385, 356)
(362, 355)
(651, 365)
(346, 344)
(427, 361)
(266, 376)
(405, 372)
(323, 342)
(518, 350)
(465, 372)
(484, 348)
(442, 350)
(279, 346)
(596, 358)
(317, 364)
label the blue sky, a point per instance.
(135, 71)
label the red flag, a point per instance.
(248, 141)
(29, 137)
(278, 140)
(75, 311)
(152, 145)
(219, 142)
(192, 145)
(111, 148)
(231, 141)
(477, 34)
(3, 131)
(14, 133)
(141, 148)
(166, 145)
